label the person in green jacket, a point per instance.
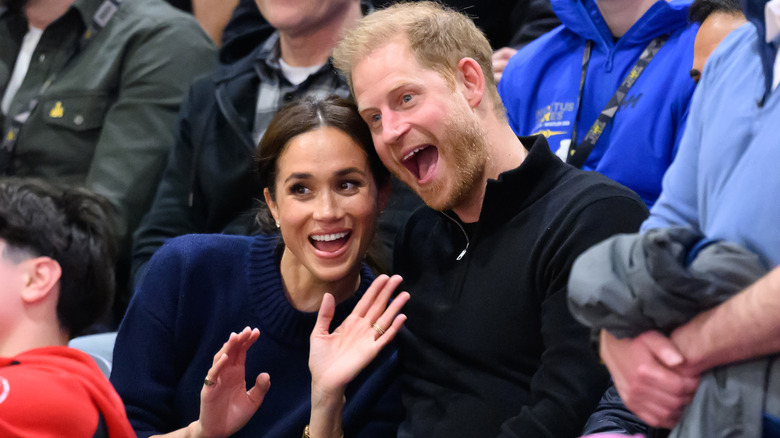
(90, 91)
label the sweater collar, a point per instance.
(516, 189)
(280, 319)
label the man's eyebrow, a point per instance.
(392, 90)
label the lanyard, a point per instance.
(102, 16)
(580, 152)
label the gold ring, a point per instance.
(208, 382)
(378, 329)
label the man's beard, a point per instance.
(13, 5)
(466, 151)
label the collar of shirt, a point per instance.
(772, 19)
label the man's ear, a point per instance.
(472, 79)
(43, 275)
(271, 204)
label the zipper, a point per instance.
(465, 235)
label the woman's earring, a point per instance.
(278, 225)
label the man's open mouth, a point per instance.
(421, 161)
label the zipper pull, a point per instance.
(462, 253)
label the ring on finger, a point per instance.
(378, 329)
(209, 382)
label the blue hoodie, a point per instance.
(540, 86)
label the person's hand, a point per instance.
(225, 404)
(500, 59)
(650, 376)
(336, 358)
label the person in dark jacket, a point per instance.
(209, 185)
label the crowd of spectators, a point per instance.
(574, 195)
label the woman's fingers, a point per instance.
(368, 298)
(248, 337)
(382, 297)
(213, 374)
(391, 331)
(385, 320)
(225, 347)
(325, 315)
(258, 392)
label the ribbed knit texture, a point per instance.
(197, 290)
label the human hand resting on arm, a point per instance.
(337, 358)
(225, 404)
(650, 375)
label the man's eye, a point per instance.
(376, 118)
(406, 98)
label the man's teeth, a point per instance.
(410, 154)
(328, 237)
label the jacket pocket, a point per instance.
(78, 113)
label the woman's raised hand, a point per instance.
(336, 358)
(225, 404)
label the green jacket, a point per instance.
(108, 120)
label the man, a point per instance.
(56, 278)
(716, 19)
(490, 348)
(209, 185)
(722, 185)
(117, 79)
(609, 89)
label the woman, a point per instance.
(325, 187)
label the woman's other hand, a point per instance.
(225, 404)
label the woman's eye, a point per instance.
(299, 189)
(406, 98)
(376, 118)
(349, 186)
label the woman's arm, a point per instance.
(337, 358)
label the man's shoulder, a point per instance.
(138, 18)
(739, 48)
(152, 13)
(581, 188)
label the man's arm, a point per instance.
(138, 130)
(657, 376)
(570, 381)
(743, 327)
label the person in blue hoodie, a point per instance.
(560, 84)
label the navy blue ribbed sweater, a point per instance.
(197, 290)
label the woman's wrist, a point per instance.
(326, 408)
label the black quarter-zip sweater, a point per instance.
(489, 348)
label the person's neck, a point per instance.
(30, 335)
(620, 15)
(313, 47)
(505, 152)
(305, 291)
(41, 13)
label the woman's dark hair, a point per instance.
(307, 115)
